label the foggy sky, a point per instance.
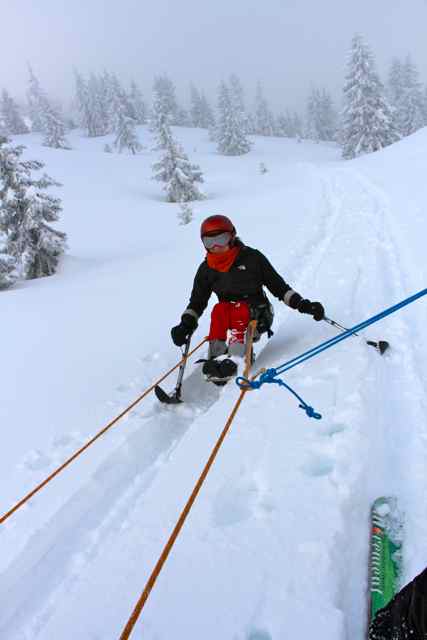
(290, 45)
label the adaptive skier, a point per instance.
(237, 274)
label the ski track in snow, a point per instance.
(351, 210)
(394, 385)
(78, 531)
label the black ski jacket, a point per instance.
(244, 281)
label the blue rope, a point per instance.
(270, 376)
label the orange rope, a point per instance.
(168, 547)
(98, 435)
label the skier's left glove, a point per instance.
(184, 329)
(314, 309)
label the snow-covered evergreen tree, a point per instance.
(264, 120)
(126, 136)
(196, 107)
(36, 99)
(183, 118)
(395, 84)
(117, 101)
(367, 117)
(138, 106)
(289, 125)
(237, 96)
(185, 214)
(8, 264)
(410, 106)
(313, 116)
(200, 110)
(84, 106)
(251, 124)
(230, 132)
(100, 104)
(327, 122)
(12, 121)
(165, 89)
(26, 213)
(174, 169)
(207, 117)
(297, 126)
(321, 116)
(45, 117)
(54, 128)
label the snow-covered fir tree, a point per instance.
(207, 116)
(321, 116)
(284, 125)
(264, 120)
(26, 213)
(53, 127)
(126, 136)
(410, 106)
(367, 118)
(251, 124)
(185, 214)
(297, 126)
(230, 132)
(313, 116)
(237, 96)
(84, 106)
(174, 169)
(183, 118)
(117, 101)
(196, 106)
(100, 103)
(289, 125)
(36, 99)
(137, 104)
(395, 84)
(8, 264)
(200, 111)
(165, 89)
(45, 117)
(12, 121)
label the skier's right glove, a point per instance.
(314, 309)
(184, 329)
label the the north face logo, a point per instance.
(242, 267)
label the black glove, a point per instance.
(184, 329)
(314, 309)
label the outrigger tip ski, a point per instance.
(173, 398)
(381, 345)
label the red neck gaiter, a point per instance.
(222, 261)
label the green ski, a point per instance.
(385, 560)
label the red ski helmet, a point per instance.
(215, 225)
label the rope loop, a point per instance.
(270, 377)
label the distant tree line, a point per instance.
(374, 116)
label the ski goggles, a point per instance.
(220, 240)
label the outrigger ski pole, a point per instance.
(381, 346)
(175, 397)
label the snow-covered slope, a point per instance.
(276, 545)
